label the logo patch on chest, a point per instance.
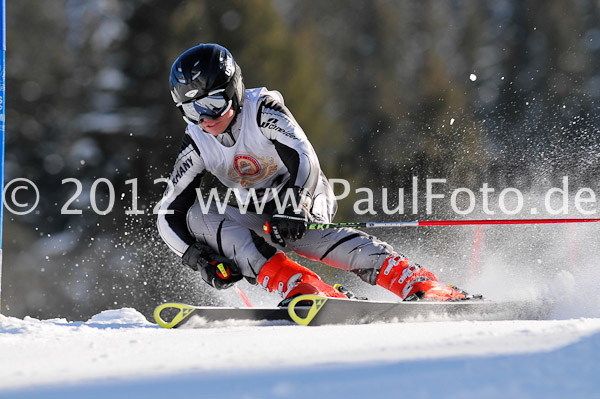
(246, 165)
(248, 169)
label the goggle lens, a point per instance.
(212, 106)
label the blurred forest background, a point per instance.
(497, 91)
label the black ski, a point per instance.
(184, 313)
(340, 311)
(315, 310)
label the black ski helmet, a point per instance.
(200, 72)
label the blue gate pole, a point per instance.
(2, 114)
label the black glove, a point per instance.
(216, 270)
(290, 225)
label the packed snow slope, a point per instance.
(119, 354)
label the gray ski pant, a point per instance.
(241, 237)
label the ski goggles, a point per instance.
(213, 106)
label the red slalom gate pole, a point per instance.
(573, 248)
(476, 250)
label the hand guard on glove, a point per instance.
(290, 225)
(216, 270)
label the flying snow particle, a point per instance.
(473, 77)
(451, 121)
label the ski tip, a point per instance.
(183, 311)
(317, 304)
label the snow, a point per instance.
(119, 354)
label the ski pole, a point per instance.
(417, 223)
(243, 296)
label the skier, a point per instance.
(249, 140)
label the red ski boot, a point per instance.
(412, 281)
(290, 279)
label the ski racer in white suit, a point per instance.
(251, 143)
